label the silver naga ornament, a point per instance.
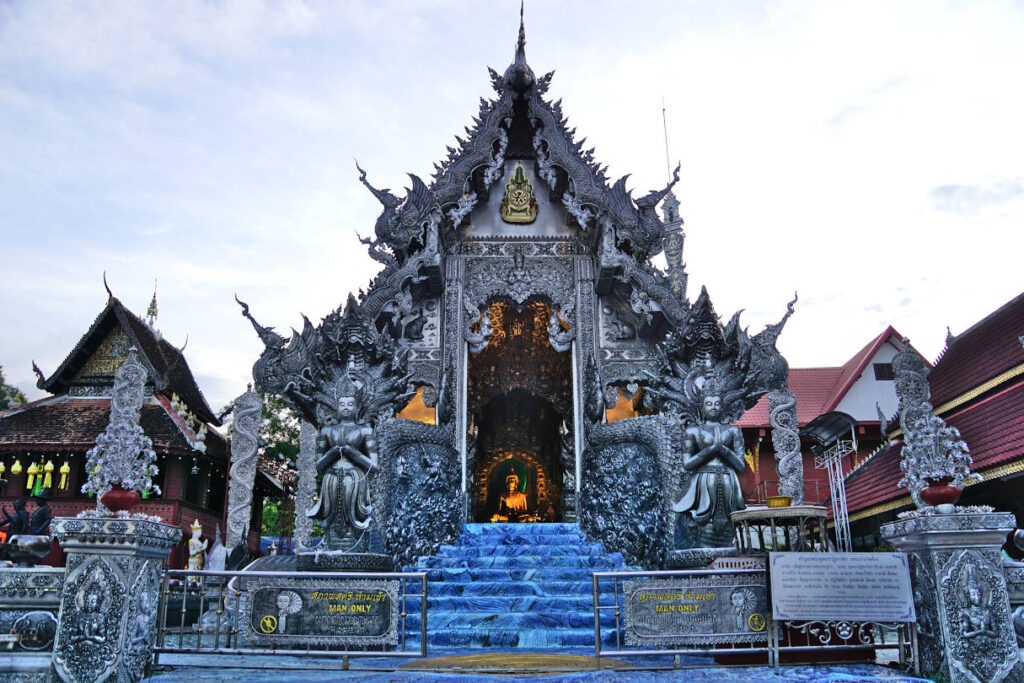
(123, 454)
(932, 450)
(244, 446)
(786, 442)
(307, 484)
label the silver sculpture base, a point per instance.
(696, 557)
(338, 561)
(25, 550)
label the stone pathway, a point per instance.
(285, 669)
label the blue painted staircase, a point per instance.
(514, 586)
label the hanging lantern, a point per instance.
(48, 479)
(65, 470)
(195, 467)
(32, 470)
(16, 467)
(3, 468)
(37, 488)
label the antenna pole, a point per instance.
(664, 126)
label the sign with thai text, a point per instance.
(841, 586)
(300, 611)
(697, 609)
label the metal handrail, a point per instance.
(907, 633)
(231, 642)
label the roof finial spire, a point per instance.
(521, 45)
(110, 294)
(519, 76)
(152, 311)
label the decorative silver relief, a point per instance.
(244, 447)
(481, 320)
(977, 640)
(786, 443)
(932, 450)
(307, 484)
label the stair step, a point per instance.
(510, 620)
(505, 603)
(467, 540)
(506, 529)
(525, 549)
(512, 588)
(600, 562)
(464, 574)
(506, 638)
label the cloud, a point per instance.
(969, 200)
(210, 145)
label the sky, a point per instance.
(865, 154)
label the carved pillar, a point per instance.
(244, 445)
(108, 611)
(964, 626)
(786, 442)
(307, 485)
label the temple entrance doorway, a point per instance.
(520, 406)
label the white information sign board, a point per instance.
(841, 586)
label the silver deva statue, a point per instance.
(713, 459)
(709, 375)
(349, 454)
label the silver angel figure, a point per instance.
(349, 454)
(713, 457)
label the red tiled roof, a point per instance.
(167, 366)
(993, 429)
(820, 390)
(65, 423)
(876, 480)
(855, 367)
(812, 388)
(986, 350)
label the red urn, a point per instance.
(940, 491)
(118, 498)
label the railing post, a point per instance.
(964, 623)
(597, 619)
(108, 611)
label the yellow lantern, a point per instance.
(3, 468)
(65, 470)
(32, 470)
(48, 479)
(16, 467)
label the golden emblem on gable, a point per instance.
(519, 205)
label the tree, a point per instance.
(279, 438)
(11, 395)
(279, 427)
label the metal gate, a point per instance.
(201, 613)
(779, 637)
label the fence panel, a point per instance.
(202, 613)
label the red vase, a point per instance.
(117, 498)
(940, 491)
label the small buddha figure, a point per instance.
(196, 549)
(512, 504)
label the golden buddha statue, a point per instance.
(512, 504)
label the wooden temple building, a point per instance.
(977, 386)
(833, 404)
(43, 443)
